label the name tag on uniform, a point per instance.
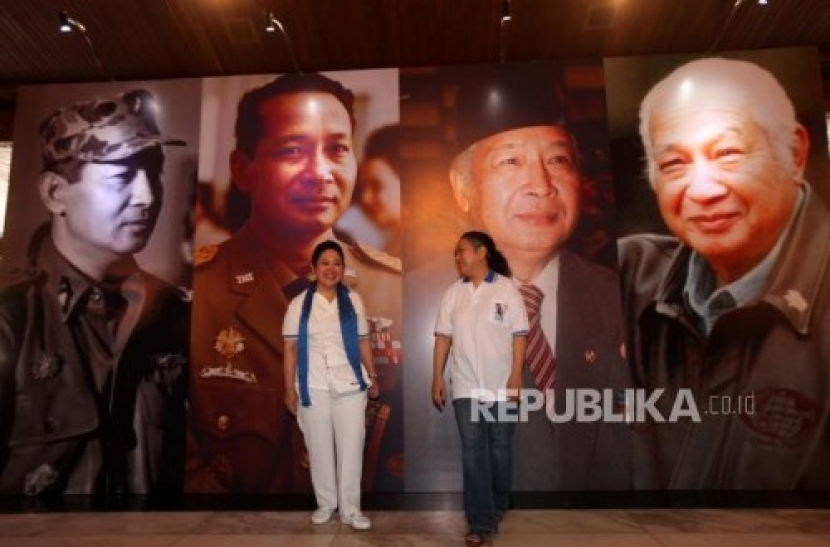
(247, 277)
(498, 312)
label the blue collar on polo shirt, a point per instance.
(489, 278)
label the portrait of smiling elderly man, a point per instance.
(93, 349)
(734, 306)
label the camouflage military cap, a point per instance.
(102, 129)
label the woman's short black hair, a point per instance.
(326, 246)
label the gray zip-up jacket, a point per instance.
(760, 381)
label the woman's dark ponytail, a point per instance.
(495, 260)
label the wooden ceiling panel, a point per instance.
(145, 39)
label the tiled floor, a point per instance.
(525, 528)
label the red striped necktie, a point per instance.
(539, 356)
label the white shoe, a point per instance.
(321, 516)
(358, 521)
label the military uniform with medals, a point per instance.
(242, 438)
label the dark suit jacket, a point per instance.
(590, 354)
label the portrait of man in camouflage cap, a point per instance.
(93, 348)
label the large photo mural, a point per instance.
(721, 174)
(170, 324)
(281, 162)
(520, 152)
(96, 309)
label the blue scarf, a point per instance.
(348, 328)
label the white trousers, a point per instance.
(334, 429)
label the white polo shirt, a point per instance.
(481, 322)
(326, 351)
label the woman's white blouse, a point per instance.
(326, 351)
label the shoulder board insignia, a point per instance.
(183, 293)
(374, 256)
(204, 254)
(795, 300)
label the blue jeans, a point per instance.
(487, 462)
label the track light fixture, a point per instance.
(64, 20)
(505, 11)
(67, 23)
(506, 17)
(272, 24)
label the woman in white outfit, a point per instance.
(328, 374)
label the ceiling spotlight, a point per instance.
(67, 23)
(762, 2)
(63, 17)
(505, 11)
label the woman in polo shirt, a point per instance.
(328, 372)
(482, 328)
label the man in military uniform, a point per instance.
(295, 160)
(93, 350)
